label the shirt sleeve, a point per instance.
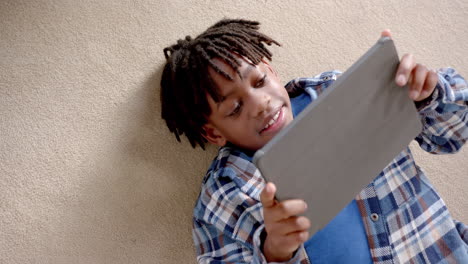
(462, 230)
(230, 232)
(444, 115)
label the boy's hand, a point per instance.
(421, 81)
(285, 230)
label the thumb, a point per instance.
(267, 197)
(386, 33)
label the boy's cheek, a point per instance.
(290, 119)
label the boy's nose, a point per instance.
(262, 102)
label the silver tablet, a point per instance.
(340, 142)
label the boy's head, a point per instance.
(219, 88)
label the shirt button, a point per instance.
(374, 217)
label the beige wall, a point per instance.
(88, 171)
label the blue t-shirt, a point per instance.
(343, 240)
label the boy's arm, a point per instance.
(229, 228)
(216, 246)
(445, 115)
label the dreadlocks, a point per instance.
(185, 81)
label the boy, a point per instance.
(220, 88)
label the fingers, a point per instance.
(429, 85)
(404, 70)
(386, 33)
(290, 225)
(285, 230)
(417, 82)
(281, 250)
(285, 209)
(421, 80)
(267, 197)
(275, 210)
(422, 83)
(289, 243)
(293, 240)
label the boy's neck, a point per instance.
(248, 152)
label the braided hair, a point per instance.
(186, 82)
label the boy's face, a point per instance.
(253, 109)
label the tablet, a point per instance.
(340, 142)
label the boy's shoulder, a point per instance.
(232, 181)
(313, 85)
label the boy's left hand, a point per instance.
(421, 81)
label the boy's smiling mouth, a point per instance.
(273, 122)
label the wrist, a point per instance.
(271, 254)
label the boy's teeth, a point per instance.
(276, 116)
(273, 120)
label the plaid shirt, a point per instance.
(405, 219)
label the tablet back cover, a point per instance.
(344, 139)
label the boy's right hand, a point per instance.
(285, 230)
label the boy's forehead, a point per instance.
(245, 67)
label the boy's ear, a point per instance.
(213, 135)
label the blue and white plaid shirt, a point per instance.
(405, 219)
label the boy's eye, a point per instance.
(261, 82)
(236, 110)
